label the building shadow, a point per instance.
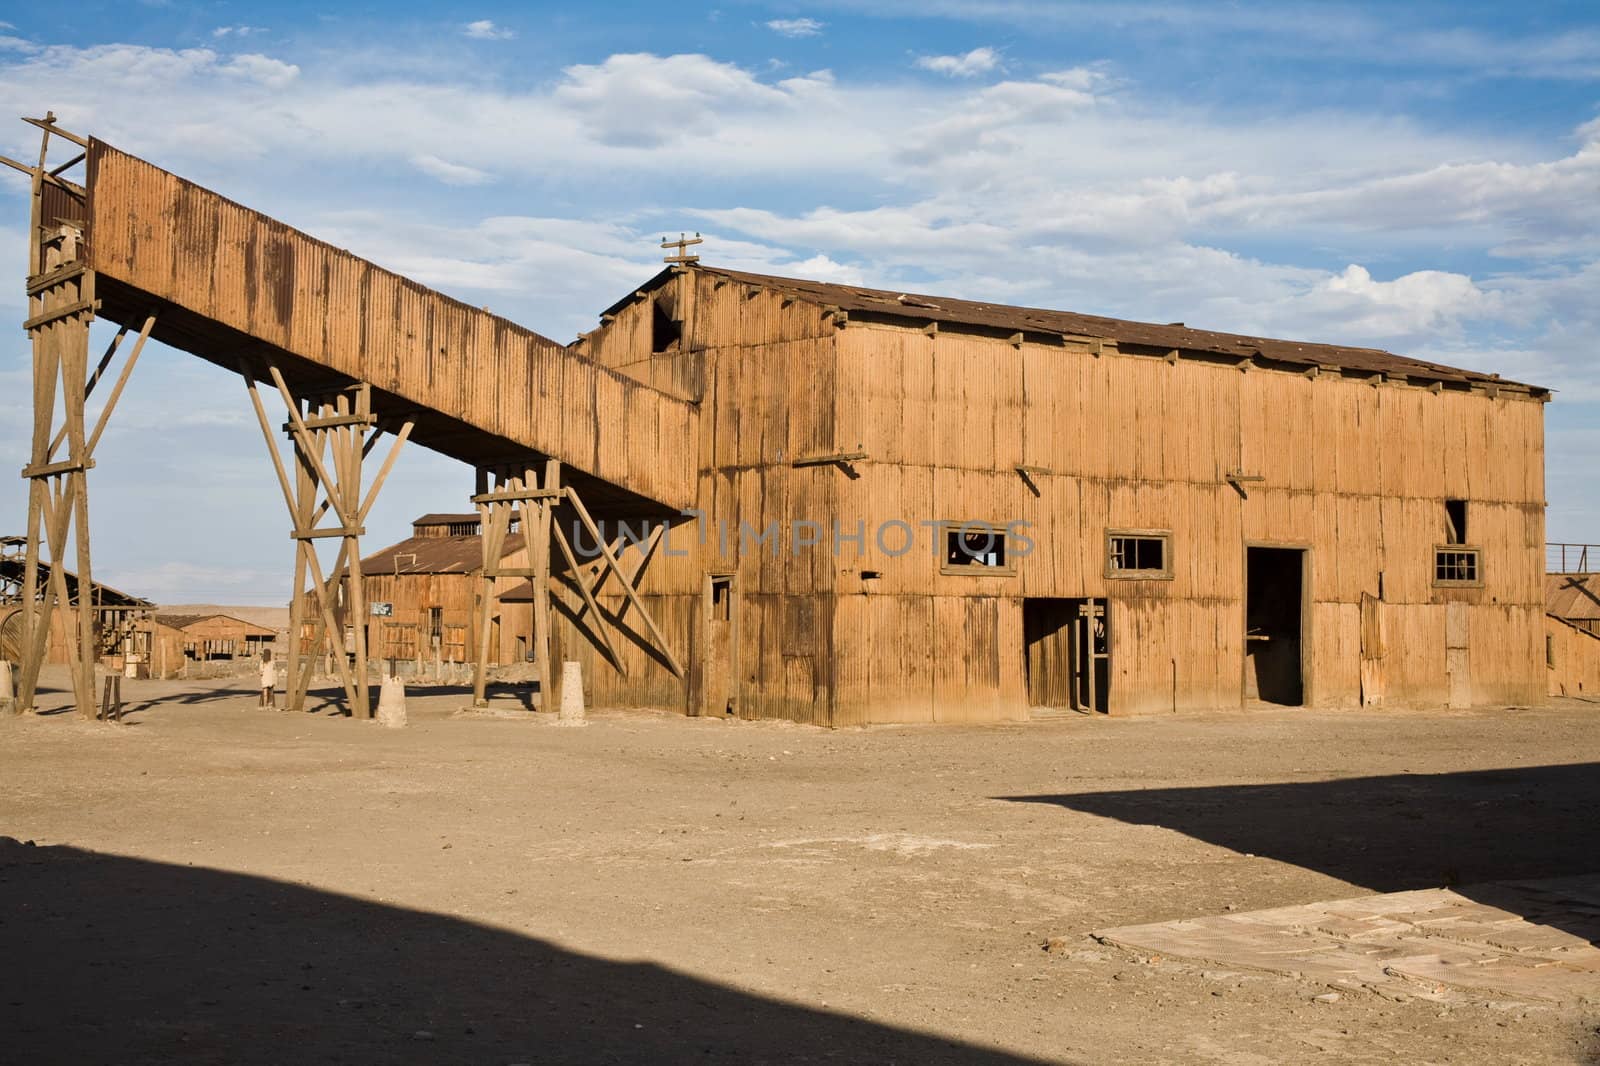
(122, 960)
(1395, 832)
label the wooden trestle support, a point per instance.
(61, 305)
(332, 431)
(331, 438)
(529, 494)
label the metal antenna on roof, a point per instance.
(683, 258)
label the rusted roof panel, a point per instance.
(445, 519)
(435, 555)
(1572, 596)
(184, 621)
(1171, 336)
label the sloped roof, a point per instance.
(446, 519)
(1171, 336)
(435, 555)
(184, 621)
(1572, 595)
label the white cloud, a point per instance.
(1070, 189)
(978, 61)
(485, 30)
(450, 173)
(797, 27)
(10, 43)
(237, 31)
(263, 70)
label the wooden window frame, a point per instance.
(1112, 573)
(729, 578)
(1000, 530)
(1459, 549)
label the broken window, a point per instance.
(666, 332)
(719, 600)
(1455, 521)
(1138, 554)
(1456, 566)
(973, 546)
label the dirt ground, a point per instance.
(211, 882)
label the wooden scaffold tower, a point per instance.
(61, 305)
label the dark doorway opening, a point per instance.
(1066, 653)
(1274, 611)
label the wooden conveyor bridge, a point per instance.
(352, 351)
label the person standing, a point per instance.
(269, 678)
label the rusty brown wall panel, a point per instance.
(185, 245)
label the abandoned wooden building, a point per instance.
(420, 594)
(167, 645)
(1572, 627)
(972, 510)
(824, 502)
(115, 616)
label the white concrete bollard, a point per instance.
(571, 695)
(392, 703)
(8, 692)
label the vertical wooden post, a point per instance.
(58, 323)
(342, 428)
(351, 438)
(538, 538)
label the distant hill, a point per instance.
(271, 617)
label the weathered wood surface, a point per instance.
(489, 388)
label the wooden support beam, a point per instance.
(333, 422)
(835, 457)
(122, 381)
(627, 586)
(517, 495)
(327, 533)
(589, 603)
(51, 278)
(48, 124)
(513, 571)
(65, 466)
(56, 314)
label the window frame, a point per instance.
(999, 530)
(1452, 583)
(1112, 573)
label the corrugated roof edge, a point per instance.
(919, 307)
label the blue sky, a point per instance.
(1420, 177)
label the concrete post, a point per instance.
(571, 694)
(392, 703)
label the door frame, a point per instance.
(1307, 670)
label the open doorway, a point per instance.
(1274, 615)
(1066, 653)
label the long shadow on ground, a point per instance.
(1395, 832)
(121, 960)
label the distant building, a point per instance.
(1572, 633)
(117, 614)
(420, 594)
(176, 645)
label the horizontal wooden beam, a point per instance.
(66, 466)
(323, 534)
(513, 571)
(515, 495)
(51, 278)
(333, 422)
(49, 125)
(79, 308)
(836, 457)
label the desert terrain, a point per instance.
(213, 882)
